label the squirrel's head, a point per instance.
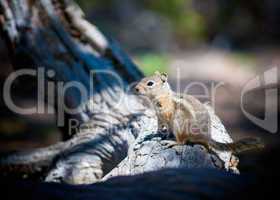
(153, 86)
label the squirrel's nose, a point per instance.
(136, 89)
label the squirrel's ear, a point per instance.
(163, 77)
(157, 73)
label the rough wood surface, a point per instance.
(151, 152)
(120, 132)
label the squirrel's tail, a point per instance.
(245, 144)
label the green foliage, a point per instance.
(149, 63)
(88, 5)
(186, 21)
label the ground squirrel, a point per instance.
(185, 116)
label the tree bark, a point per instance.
(118, 133)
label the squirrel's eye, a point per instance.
(150, 83)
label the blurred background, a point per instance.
(219, 43)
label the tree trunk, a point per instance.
(118, 133)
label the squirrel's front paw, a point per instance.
(169, 143)
(166, 135)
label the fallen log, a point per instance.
(117, 133)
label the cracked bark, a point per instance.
(115, 139)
